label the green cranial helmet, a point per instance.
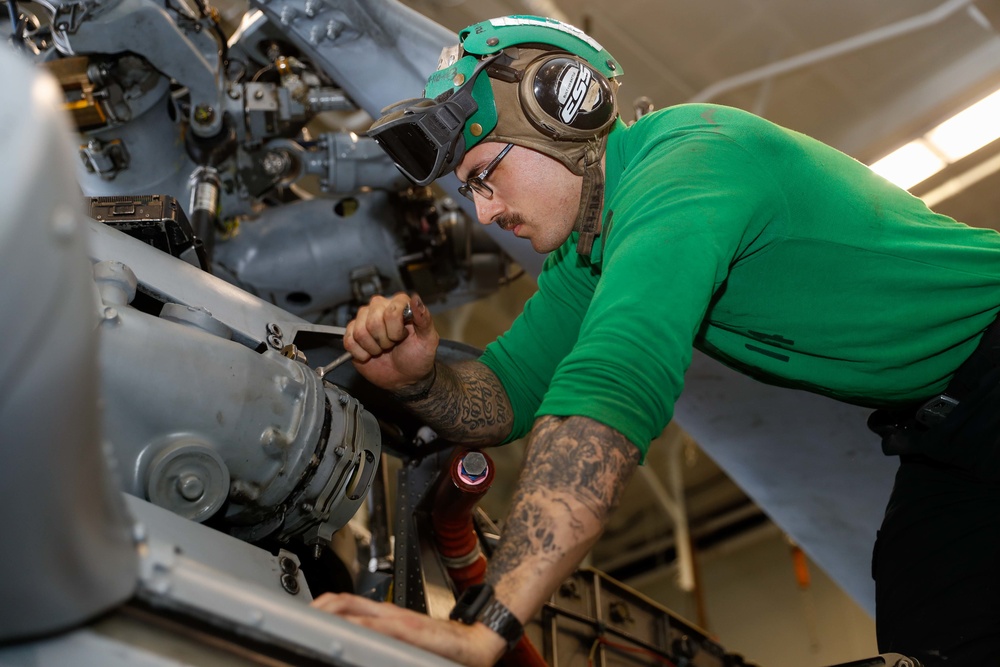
(534, 36)
(548, 86)
(547, 83)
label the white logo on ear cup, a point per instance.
(573, 86)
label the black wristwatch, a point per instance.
(476, 603)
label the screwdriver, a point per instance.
(346, 356)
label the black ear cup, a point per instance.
(565, 98)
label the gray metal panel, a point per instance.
(178, 282)
(174, 582)
(67, 552)
(215, 549)
(808, 461)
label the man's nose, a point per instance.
(487, 209)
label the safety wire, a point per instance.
(602, 641)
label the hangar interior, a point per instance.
(778, 494)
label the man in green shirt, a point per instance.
(705, 227)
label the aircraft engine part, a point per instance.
(67, 551)
(311, 256)
(207, 427)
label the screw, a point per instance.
(274, 163)
(619, 612)
(569, 590)
(290, 584)
(287, 565)
(274, 341)
(191, 487)
(204, 114)
(273, 328)
(334, 28)
(492, 41)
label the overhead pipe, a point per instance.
(912, 24)
(674, 505)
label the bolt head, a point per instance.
(204, 114)
(191, 487)
(474, 465)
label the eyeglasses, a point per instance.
(477, 184)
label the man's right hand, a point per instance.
(389, 353)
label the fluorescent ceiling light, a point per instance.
(909, 165)
(968, 130)
(960, 135)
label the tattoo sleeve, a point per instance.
(465, 402)
(574, 473)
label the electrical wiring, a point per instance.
(601, 641)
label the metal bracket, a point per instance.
(936, 410)
(68, 17)
(105, 158)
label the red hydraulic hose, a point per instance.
(469, 476)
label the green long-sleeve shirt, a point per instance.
(768, 250)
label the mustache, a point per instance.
(509, 221)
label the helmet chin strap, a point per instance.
(588, 216)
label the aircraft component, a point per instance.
(221, 423)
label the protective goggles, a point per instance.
(427, 138)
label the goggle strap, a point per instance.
(591, 204)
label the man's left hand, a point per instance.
(473, 645)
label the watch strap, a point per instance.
(477, 603)
(502, 621)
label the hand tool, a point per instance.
(346, 356)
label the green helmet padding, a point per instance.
(450, 79)
(490, 36)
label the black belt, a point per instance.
(893, 423)
(967, 379)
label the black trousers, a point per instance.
(937, 557)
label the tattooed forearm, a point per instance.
(465, 403)
(574, 474)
